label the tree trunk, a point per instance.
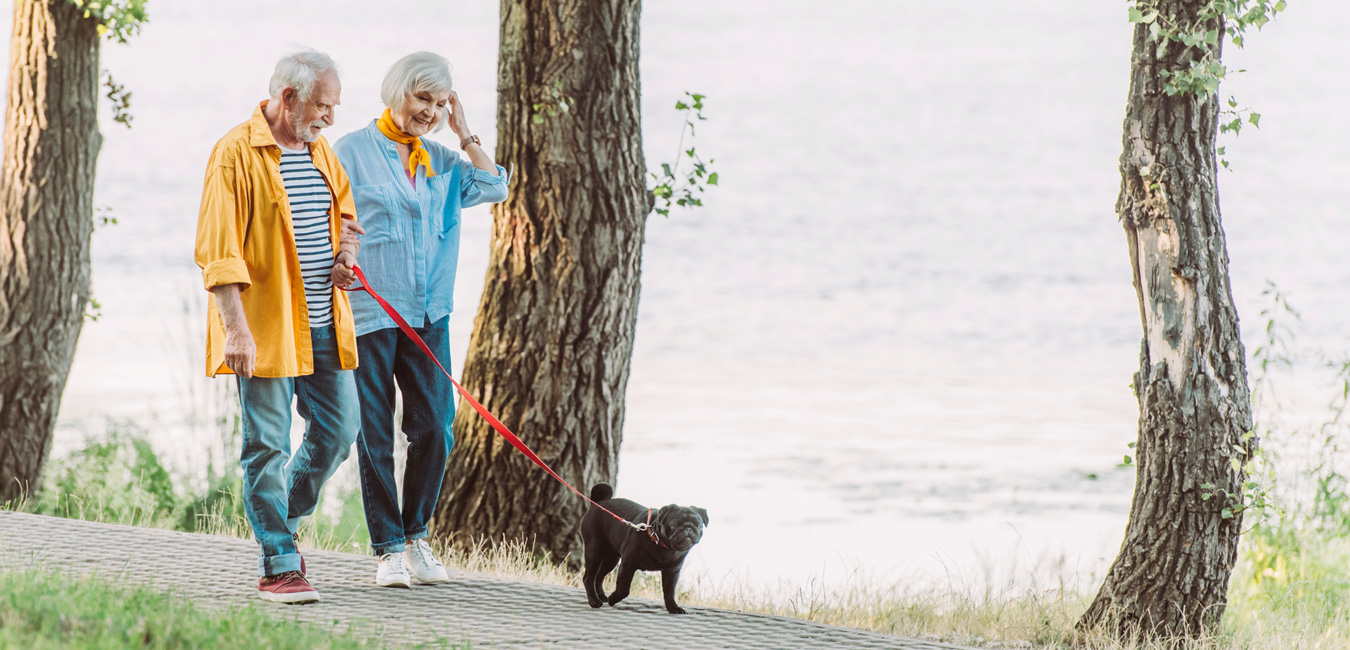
(51, 144)
(553, 339)
(1171, 577)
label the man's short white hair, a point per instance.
(299, 70)
(412, 74)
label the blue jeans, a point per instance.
(277, 493)
(428, 411)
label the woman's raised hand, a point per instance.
(458, 122)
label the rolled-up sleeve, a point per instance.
(220, 230)
(478, 186)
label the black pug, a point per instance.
(673, 531)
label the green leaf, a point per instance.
(666, 168)
(1128, 460)
(1227, 513)
(1236, 464)
(1136, 16)
(538, 119)
(712, 178)
(1279, 6)
(1255, 119)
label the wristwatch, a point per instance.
(473, 138)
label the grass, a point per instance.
(45, 611)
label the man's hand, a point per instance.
(349, 240)
(241, 353)
(342, 275)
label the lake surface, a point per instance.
(898, 340)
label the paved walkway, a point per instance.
(218, 572)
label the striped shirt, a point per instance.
(310, 200)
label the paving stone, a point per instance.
(487, 611)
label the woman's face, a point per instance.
(421, 112)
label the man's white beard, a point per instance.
(302, 130)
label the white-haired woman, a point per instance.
(409, 192)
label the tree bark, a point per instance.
(1171, 577)
(553, 338)
(51, 143)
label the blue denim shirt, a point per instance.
(411, 246)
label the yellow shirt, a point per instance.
(245, 237)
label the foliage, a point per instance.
(121, 101)
(1201, 74)
(673, 189)
(1298, 556)
(1197, 39)
(553, 103)
(118, 20)
(119, 478)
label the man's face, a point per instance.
(310, 117)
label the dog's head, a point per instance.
(680, 527)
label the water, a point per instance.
(898, 339)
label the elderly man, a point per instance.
(277, 232)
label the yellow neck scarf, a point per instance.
(419, 156)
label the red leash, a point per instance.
(482, 410)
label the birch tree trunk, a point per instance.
(1171, 577)
(553, 337)
(51, 143)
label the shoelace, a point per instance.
(395, 561)
(423, 552)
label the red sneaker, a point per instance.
(289, 587)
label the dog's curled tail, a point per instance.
(602, 492)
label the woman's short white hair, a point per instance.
(415, 73)
(299, 70)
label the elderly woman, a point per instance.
(409, 192)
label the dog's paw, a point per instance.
(595, 602)
(615, 599)
(676, 610)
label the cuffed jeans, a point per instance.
(428, 411)
(277, 493)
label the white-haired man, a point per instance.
(276, 237)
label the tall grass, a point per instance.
(117, 477)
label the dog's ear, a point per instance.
(702, 513)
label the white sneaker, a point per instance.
(392, 573)
(424, 566)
